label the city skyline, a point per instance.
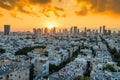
(28, 14)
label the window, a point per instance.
(7, 76)
(19, 76)
(10, 74)
(26, 74)
(1, 77)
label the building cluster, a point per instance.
(14, 69)
(73, 69)
(75, 54)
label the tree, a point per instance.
(25, 50)
(2, 50)
(116, 55)
(113, 51)
(32, 72)
(93, 52)
(81, 78)
(88, 70)
(111, 68)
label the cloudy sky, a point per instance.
(23, 15)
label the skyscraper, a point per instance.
(54, 30)
(104, 31)
(100, 29)
(85, 29)
(75, 30)
(46, 30)
(37, 32)
(6, 29)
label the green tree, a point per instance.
(32, 72)
(25, 50)
(111, 68)
(2, 50)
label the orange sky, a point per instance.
(24, 15)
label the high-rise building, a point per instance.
(100, 29)
(46, 30)
(85, 29)
(74, 30)
(54, 30)
(109, 32)
(6, 29)
(119, 32)
(60, 31)
(65, 31)
(71, 30)
(104, 30)
(37, 32)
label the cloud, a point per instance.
(99, 6)
(7, 4)
(60, 9)
(40, 1)
(60, 0)
(45, 6)
(1, 14)
(82, 12)
(82, 8)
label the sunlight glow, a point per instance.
(51, 25)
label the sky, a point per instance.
(24, 15)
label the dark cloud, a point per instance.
(7, 4)
(40, 1)
(11, 4)
(60, 0)
(95, 6)
(101, 6)
(60, 9)
(1, 14)
(114, 5)
(45, 7)
(82, 12)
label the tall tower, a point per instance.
(85, 30)
(71, 30)
(35, 32)
(75, 30)
(104, 29)
(100, 29)
(54, 30)
(46, 30)
(6, 29)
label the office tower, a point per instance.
(85, 29)
(78, 31)
(109, 32)
(100, 29)
(37, 32)
(6, 29)
(60, 31)
(75, 30)
(96, 31)
(93, 31)
(119, 32)
(42, 31)
(65, 31)
(104, 31)
(34, 32)
(71, 30)
(54, 30)
(46, 30)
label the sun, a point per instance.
(51, 25)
